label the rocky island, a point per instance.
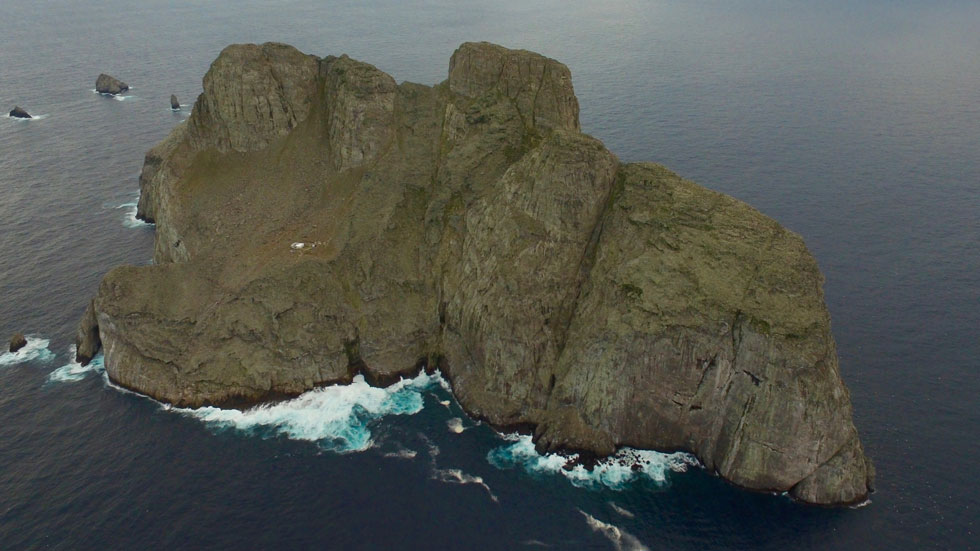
(18, 113)
(315, 220)
(106, 84)
(17, 341)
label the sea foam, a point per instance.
(456, 476)
(622, 511)
(621, 539)
(120, 96)
(615, 472)
(129, 218)
(74, 371)
(453, 476)
(36, 349)
(337, 418)
(33, 117)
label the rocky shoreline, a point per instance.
(471, 226)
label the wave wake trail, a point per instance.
(621, 539)
(453, 476)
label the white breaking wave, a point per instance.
(74, 371)
(864, 503)
(120, 96)
(621, 539)
(36, 349)
(615, 472)
(336, 417)
(129, 219)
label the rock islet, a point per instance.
(19, 113)
(109, 85)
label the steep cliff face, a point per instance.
(315, 219)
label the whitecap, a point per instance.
(451, 476)
(456, 476)
(615, 472)
(36, 349)
(336, 417)
(74, 371)
(621, 539)
(865, 503)
(455, 425)
(623, 512)
(119, 96)
(402, 453)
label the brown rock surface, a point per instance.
(19, 113)
(17, 342)
(316, 219)
(106, 84)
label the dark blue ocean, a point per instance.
(854, 123)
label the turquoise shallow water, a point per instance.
(856, 124)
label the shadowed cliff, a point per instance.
(315, 220)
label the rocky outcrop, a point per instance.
(174, 104)
(471, 226)
(17, 342)
(106, 84)
(19, 113)
(87, 340)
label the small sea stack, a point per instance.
(106, 84)
(17, 342)
(174, 104)
(19, 113)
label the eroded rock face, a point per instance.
(87, 339)
(471, 226)
(106, 84)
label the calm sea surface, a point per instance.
(854, 123)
